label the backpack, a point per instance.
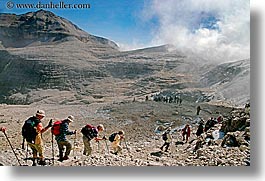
(112, 137)
(28, 129)
(89, 131)
(56, 128)
(164, 136)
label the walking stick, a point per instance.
(27, 154)
(12, 148)
(106, 145)
(74, 145)
(126, 146)
(23, 144)
(98, 146)
(52, 151)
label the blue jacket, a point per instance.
(64, 130)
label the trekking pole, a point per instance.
(27, 154)
(23, 144)
(12, 148)
(106, 145)
(52, 151)
(126, 146)
(98, 146)
(74, 145)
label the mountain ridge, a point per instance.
(43, 26)
(92, 69)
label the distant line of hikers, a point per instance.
(32, 132)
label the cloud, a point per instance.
(214, 29)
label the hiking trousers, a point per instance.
(36, 148)
(166, 145)
(62, 144)
(87, 146)
(117, 148)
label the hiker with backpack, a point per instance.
(198, 110)
(200, 129)
(115, 139)
(89, 133)
(186, 133)
(61, 139)
(32, 131)
(167, 138)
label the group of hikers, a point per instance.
(186, 131)
(166, 98)
(167, 137)
(33, 129)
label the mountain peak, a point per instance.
(42, 27)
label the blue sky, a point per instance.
(214, 28)
(118, 20)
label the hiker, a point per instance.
(90, 132)
(247, 108)
(116, 142)
(186, 133)
(180, 100)
(198, 110)
(200, 129)
(34, 140)
(210, 123)
(177, 99)
(3, 129)
(199, 143)
(62, 140)
(167, 138)
(219, 119)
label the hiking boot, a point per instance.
(60, 159)
(65, 158)
(42, 162)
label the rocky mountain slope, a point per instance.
(42, 27)
(140, 121)
(41, 52)
(46, 62)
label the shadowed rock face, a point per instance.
(42, 51)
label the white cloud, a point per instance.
(179, 24)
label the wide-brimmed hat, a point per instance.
(70, 118)
(40, 113)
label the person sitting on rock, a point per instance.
(186, 133)
(167, 140)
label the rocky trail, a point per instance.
(139, 120)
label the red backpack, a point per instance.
(56, 128)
